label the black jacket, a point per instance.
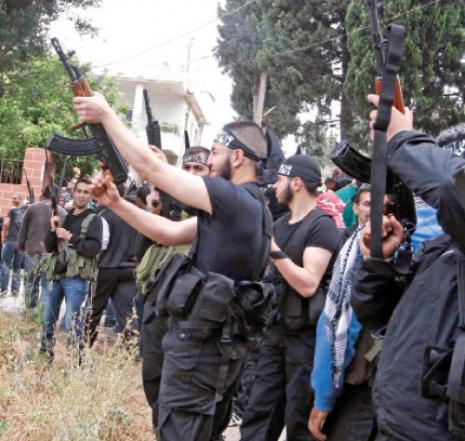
(424, 305)
(88, 246)
(121, 252)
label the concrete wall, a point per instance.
(34, 164)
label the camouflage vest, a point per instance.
(76, 265)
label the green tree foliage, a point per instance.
(320, 51)
(24, 25)
(37, 102)
(433, 69)
(284, 39)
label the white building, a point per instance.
(174, 106)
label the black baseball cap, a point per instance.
(303, 167)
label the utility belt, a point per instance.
(207, 304)
(292, 310)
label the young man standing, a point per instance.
(305, 241)
(203, 353)
(73, 243)
(341, 373)
(31, 240)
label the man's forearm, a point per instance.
(297, 277)
(185, 187)
(156, 228)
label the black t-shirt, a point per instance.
(16, 216)
(322, 233)
(121, 251)
(231, 238)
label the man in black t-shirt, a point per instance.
(305, 241)
(199, 374)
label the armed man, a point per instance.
(205, 345)
(305, 241)
(11, 257)
(72, 245)
(418, 392)
(154, 328)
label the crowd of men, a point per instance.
(259, 304)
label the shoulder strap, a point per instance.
(461, 289)
(378, 173)
(85, 224)
(307, 221)
(267, 220)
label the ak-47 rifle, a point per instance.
(387, 85)
(30, 190)
(99, 144)
(153, 127)
(380, 48)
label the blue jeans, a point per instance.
(32, 280)
(11, 258)
(74, 291)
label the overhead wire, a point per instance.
(178, 37)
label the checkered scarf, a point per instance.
(337, 310)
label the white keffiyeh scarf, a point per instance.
(337, 310)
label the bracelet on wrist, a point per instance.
(276, 255)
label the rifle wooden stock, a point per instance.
(97, 192)
(398, 97)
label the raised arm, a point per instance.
(183, 186)
(435, 174)
(157, 228)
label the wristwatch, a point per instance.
(275, 255)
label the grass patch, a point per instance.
(100, 400)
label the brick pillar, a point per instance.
(34, 164)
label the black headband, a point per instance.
(198, 158)
(228, 139)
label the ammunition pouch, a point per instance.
(75, 264)
(300, 312)
(443, 372)
(201, 304)
(165, 280)
(436, 364)
(443, 378)
(254, 304)
(291, 309)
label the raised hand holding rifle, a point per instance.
(388, 55)
(100, 144)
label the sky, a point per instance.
(128, 27)
(161, 30)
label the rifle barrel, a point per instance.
(64, 59)
(147, 107)
(380, 55)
